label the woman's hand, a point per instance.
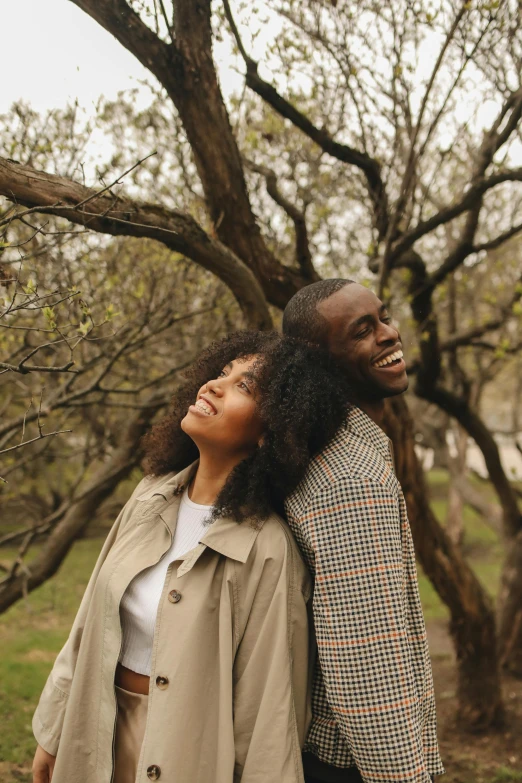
(43, 766)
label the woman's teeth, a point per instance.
(389, 359)
(204, 407)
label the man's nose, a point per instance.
(387, 333)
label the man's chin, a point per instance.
(374, 392)
(396, 390)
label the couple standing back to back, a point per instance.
(188, 659)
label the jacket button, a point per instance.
(162, 683)
(174, 596)
(153, 772)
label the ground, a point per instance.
(495, 757)
(32, 632)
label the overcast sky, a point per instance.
(52, 52)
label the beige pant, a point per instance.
(130, 728)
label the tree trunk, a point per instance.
(455, 515)
(510, 641)
(472, 624)
(491, 513)
(77, 518)
(475, 427)
(457, 469)
(510, 609)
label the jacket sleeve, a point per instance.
(271, 704)
(49, 715)
(361, 627)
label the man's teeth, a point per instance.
(204, 407)
(389, 359)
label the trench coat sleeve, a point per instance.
(271, 712)
(49, 715)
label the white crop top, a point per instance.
(139, 605)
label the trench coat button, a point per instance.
(153, 772)
(174, 596)
(162, 682)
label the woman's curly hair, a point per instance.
(302, 399)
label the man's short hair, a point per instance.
(301, 318)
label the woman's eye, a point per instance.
(245, 386)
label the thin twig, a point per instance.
(108, 187)
(27, 442)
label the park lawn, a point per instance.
(33, 631)
(31, 634)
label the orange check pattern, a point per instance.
(372, 700)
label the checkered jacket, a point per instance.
(372, 698)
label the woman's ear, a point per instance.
(261, 441)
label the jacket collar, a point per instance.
(362, 426)
(170, 485)
(225, 535)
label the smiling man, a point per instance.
(373, 707)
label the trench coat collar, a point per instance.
(225, 535)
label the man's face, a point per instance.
(363, 339)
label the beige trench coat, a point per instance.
(231, 638)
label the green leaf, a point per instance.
(84, 307)
(110, 313)
(50, 316)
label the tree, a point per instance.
(370, 119)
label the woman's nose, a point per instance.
(215, 387)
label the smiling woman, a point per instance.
(192, 620)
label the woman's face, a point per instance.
(224, 415)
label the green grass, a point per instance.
(31, 634)
(507, 775)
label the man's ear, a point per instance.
(261, 441)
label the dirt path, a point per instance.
(491, 758)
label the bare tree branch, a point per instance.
(499, 240)
(408, 179)
(108, 214)
(297, 216)
(368, 165)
